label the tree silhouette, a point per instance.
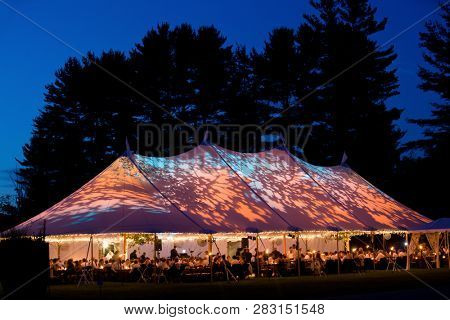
(350, 111)
(416, 181)
(435, 78)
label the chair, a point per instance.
(86, 276)
(319, 267)
(331, 266)
(382, 264)
(368, 264)
(392, 263)
(359, 265)
(160, 275)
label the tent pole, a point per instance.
(438, 262)
(408, 257)
(100, 250)
(257, 255)
(125, 246)
(210, 248)
(59, 249)
(284, 245)
(210, 257)
(373, 248)
(88, 248)
(448, 252)
(297, 244)
(155, 238)
(92, 250)
(337, 250)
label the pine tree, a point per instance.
(276, 69)
(435, 78)
(349, 107)
(80, 131)
(417, 176)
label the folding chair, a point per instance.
(86, 276)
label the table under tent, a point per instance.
(211, 198)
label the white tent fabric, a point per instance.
(213, 190)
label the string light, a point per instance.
(230, 236)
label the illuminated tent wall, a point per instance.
(214, 190)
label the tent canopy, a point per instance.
(211, 189)
(439, 225)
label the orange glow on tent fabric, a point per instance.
(210, 188)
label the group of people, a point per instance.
(247, 262)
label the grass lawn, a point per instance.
(371, 285)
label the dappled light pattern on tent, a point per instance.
(210, 189)
(200, 183)
(373, 207)
(288, 189)
(117, 200)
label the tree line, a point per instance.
(182, 74)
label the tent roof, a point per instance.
(442, 224)
(211, 189)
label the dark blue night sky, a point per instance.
(29, 56)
